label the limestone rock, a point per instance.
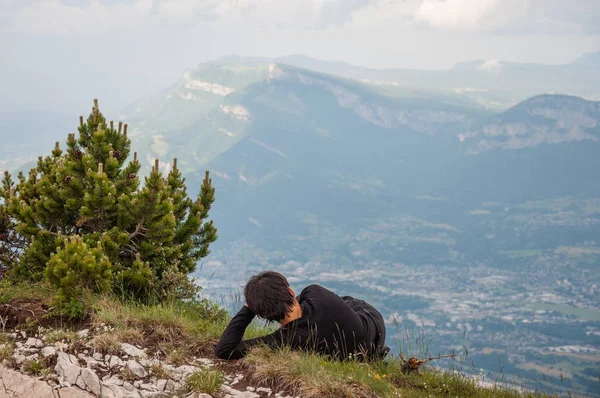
(33, 342)
(48, 351)
(160, 384)
(115, 361)
(132, 350)
(83, 333)
(91, 381)
(67, 368)
(136, 369)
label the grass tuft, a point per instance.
(6, 351)
(61, 335)
(106, 343)
(208, 381)
(34, 367)
(158, 371)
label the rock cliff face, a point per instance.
(545, 119)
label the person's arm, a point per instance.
(231, 345)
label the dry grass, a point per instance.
(106, 343)
(158, 371)
(6, 350)
(179, 330)
(129, 335)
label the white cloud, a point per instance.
(101, 17)
(452, 14)
(97, 18)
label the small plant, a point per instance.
(106, 343)
(34, 367)
(158, 371)
(61, 335)
(6, 350)
(176, 357)
(75, 269)
(208, 381)
(127, 375)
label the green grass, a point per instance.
(35, 367)
(65, 336)
(28, 291)
(208, 381)
(311, 375)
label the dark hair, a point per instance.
(268, 296)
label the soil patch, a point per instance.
(33, 313)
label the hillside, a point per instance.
(334, 181)
(122, 349)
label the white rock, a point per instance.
(160, 385)
(182, 372)
(145, 362)
(32, 342)
(170, 386)
(153, 394)
(128, 386)
(115, 391)
(97, 356)
(26, 351)
(66, 368)
(136, 368)
(90, 380)
(132, 350)
(115, 361)
(48, 351)
(19, 358)
(137, 383)
(113, 380)
(60, 346)
(147, 387)
(83, 333)
(233, 393)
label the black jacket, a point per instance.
(330, 324)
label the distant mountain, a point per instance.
(590, 59)
(544, 119)
(273, 132)
(491, 83)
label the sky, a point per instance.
(58, 54)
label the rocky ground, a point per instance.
(39, 368)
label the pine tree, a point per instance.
(91, 190)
